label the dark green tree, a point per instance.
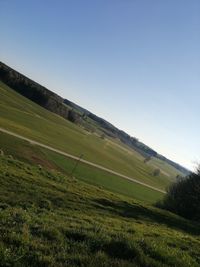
(72, 116)
(183, 197)
(156, 172)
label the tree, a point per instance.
(156, 172)
(84, 116)
(147, 159)
(183, 197)
(72, 116)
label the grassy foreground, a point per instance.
(24, 117)
(48, 219)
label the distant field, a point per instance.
(22, 116)
(36, 155)
(50, 219)
(170, 171)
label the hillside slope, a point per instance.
(48, 219)
(39, 156)
(24, 117)
(75, 113)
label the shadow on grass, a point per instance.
(151, 214)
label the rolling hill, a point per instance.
(50, 219)
(54, 215)
(77, 114)
(22, 116)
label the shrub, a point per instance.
(183, 197)
(72, 116)
(147, 159)
(156, 172)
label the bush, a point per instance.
(72, 116)
(183, 197)
(156, 172)
(147, 159)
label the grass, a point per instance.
(166, 168)
(50, 219)
(36, 155)
(24, 117)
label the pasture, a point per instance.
(50, 219)
(24, 117)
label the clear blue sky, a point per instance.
(134, 62)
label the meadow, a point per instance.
(39, 156)
(24, 117)
(50, 219)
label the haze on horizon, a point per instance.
(134, 63)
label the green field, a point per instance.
(24, 117)
(50, 219)
(165, 168)
(36, 155)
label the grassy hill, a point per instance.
(24, 117)
(77, 114)
(36, 155)
(50, 219)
